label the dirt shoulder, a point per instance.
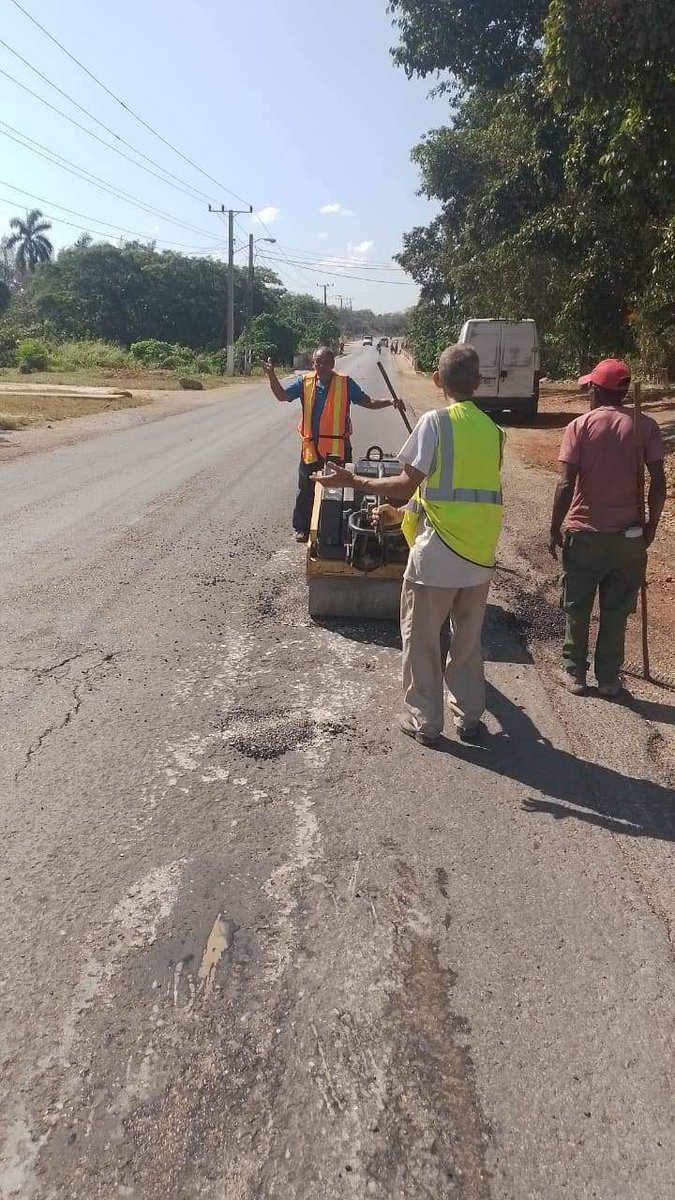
(532, 460)
(98, 417)
(137, 378)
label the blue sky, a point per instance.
(294, 105)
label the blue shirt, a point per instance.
(355, 395)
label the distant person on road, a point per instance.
(605, 539)
(325, 425)
(451, 466)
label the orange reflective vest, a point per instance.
(333, 423)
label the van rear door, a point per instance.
(519, 360)
(485, 338)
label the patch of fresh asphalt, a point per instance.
(254, 943)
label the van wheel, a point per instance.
(529, 411)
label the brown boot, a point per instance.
(572, 679)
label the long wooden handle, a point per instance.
(399, 403)
(639, 447)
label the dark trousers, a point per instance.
(613, 567)
(304, 501)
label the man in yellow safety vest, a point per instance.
(451, 479)
(325, 424)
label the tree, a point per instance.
(555, 178)
(483, 43)
(268, 337)
(29, 242)
(135, 293)
(5, 295)
(8, 272)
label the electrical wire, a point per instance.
(344, 275)
(109, 146)
(80, 173)
(96, 220)
(299, 266)
(118, 137)
(316, 254)
(86, 229)
(127, 107)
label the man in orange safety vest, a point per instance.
(325, 425)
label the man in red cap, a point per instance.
(604, 547)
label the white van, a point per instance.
(509, 365)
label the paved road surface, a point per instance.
(254, 943)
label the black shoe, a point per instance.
(300, 536)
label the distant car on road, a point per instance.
(367, 341)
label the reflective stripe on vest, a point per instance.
(333, 421)
(467, 518)
(442, 473)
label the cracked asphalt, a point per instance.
(255, 944)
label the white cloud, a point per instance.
(362, 248)
(322, 235)
(335, 210)
(266, 215)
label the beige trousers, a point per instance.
(424, 612)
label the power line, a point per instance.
(344, 275)
(80, 173)
(87, 229)
(116, 150)
(294, 274)
(378, 264)
(94, 220)
(127, 107)
(118, 137)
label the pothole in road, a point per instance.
(267, 735)
(270, 735)
(534, 616)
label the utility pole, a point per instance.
(229, 323)
(249, 301)
(325, 287)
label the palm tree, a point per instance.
(29, 243)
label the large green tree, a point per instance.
(474, 42)
(133, 292)
(28, 241)
(555, 178)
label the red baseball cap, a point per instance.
(611, 374)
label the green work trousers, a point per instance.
(613, 566)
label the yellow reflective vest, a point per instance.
(462, 494)
(333, 424)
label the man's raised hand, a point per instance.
(333, 476)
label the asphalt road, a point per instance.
(256, 944)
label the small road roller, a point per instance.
(355, 567)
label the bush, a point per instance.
(89, 354)
(211, 362)
(169, 355)
(33, 355)
(8, 348)
(267, 337)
